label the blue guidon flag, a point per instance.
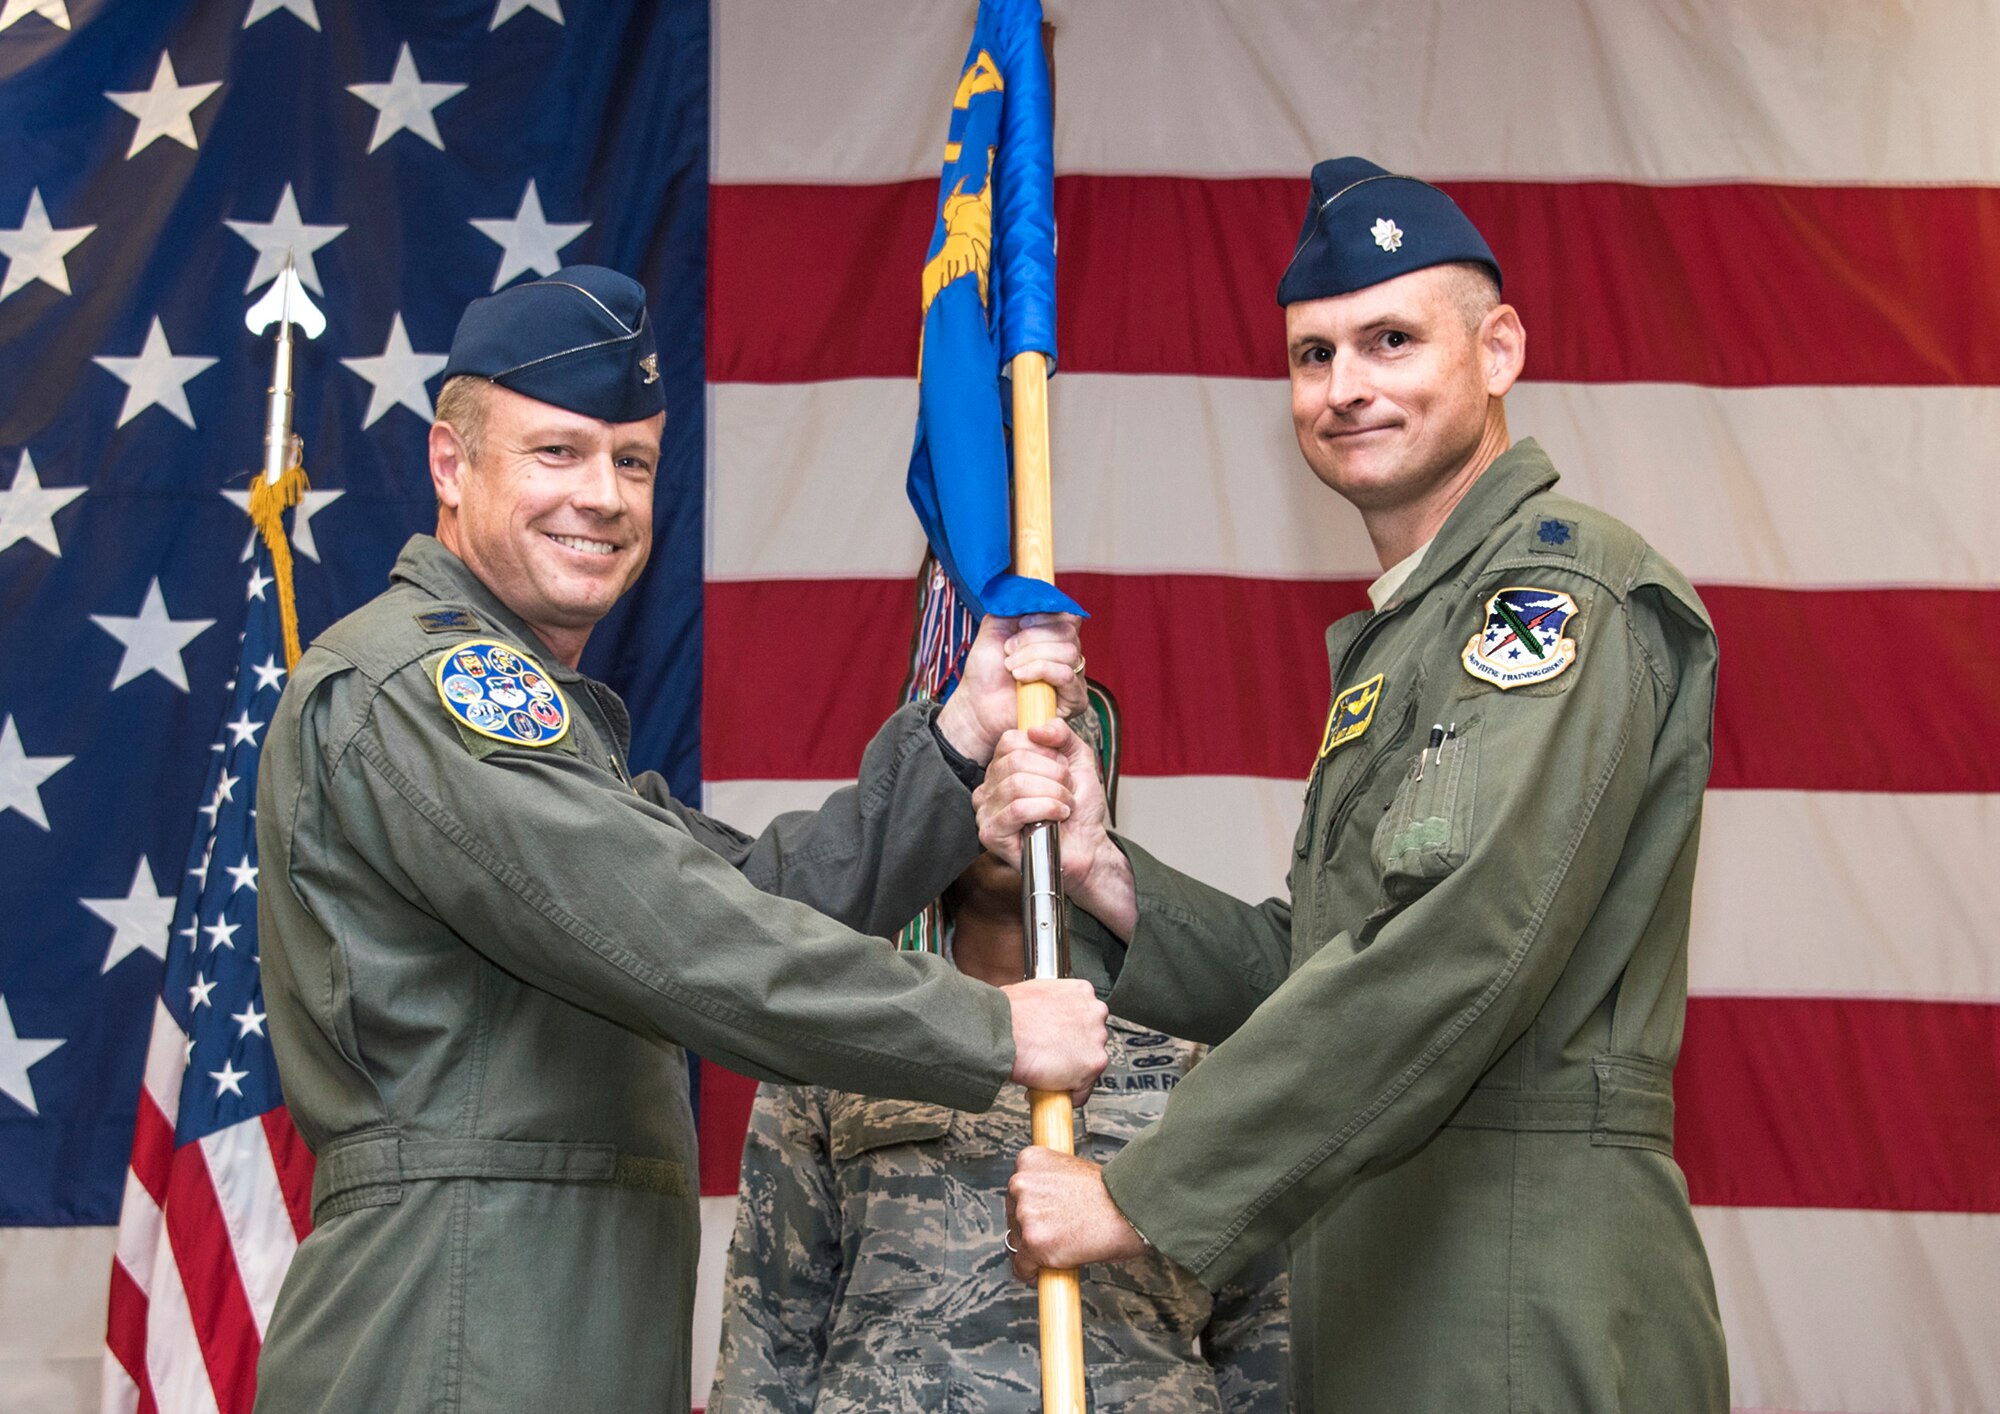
(989, 293)
(1523, 639)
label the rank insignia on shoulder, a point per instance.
(1350, 715)
(1555, 533)
(1522, 641)
(447, 621)
(502, 693)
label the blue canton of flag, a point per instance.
(213, 989)
(989, 293)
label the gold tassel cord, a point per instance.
(269, 500)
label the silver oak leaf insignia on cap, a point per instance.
(650, 364)
(1388, 234)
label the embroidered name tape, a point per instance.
(1522, 641)
(1350, 715)
(502, 693)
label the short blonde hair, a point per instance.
(462, 403)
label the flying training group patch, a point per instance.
(502, 693)
(1350, 715)
(1522, 641)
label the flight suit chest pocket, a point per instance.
(1426, 831)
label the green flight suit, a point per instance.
(481, 962)
(1444, 1065)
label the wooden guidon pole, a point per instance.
(1047, 941)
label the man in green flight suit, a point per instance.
(485, 942)
(1443, 1065)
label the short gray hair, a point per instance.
(462, 402)
(1474, 291)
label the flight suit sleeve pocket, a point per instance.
(1426, 831)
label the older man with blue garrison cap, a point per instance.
(1444, 1062)
(486, 939)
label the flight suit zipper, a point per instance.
(1340, 676)
(1383, 751)
(602, 722)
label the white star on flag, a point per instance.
(16, 1055)
(530, 241)
(28, 509)
(198, 993)
(163, 110)
(405, 101)
(155, 375)
(303, 9)
(398, 374)
(36, 250)
(505, 10)
(221, 934)
(243, 875)
(228, 1079)
(259, 581)
(153, 641)
(139, 922)
(284, 234)
(248, 1020)
(21, 775)
(269, 674)
(56, 12)
(243, 729)
(311, 503)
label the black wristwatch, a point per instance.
(966, 769)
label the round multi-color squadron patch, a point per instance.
(485, 685)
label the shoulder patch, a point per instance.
(1555, 533)
(1350, 715)
(447, 621)
(502, 693)
(1522, 640)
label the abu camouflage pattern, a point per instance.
(869, 1271)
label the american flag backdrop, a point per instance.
(1754, 243)
(161, 159)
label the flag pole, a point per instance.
(1047, 933)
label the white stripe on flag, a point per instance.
(1834, 92)
(140, 1233)
(1859, 1312)
(173, 1354)
(1736, 486)
(253, 1208)
(166, 1057)
(1799, 893)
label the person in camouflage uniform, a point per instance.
(869, 1270)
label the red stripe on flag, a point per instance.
(1226, 676)
(223, 1324)
(1795, 708)
(152, 1148)
(1617, 282)
(1822, 1103)
(125, 1331)
(726, 1098)
(294, 1162)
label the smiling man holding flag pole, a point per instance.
(989, 321)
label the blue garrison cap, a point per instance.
(579, 339)
(1365, 225)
